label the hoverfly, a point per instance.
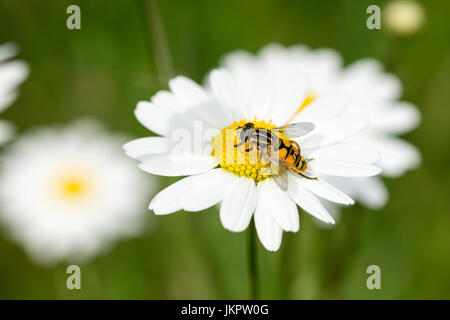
(268, 141)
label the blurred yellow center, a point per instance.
(237, 159)
(72, 185)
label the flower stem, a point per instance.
(253, 263)
(288, 267)
(164, 63)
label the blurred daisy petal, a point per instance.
(344, 169)
(81, 192)
(347, 153)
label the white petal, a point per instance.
(11, 74)
(274, 54)
(397, 155)
(172, 165)
(193, 193)
(6, 99)
(347, 153)
(159, 120)
(397, 119)
(333, 131)
(327, 64)
(372, 192)
(344, 169)
(389, 87)
(269, 232)
(277, 201)
(148, 145)
(206, 190)
(262, 99)
(227, 93)
(290, 94)
(238, 60)
(166, 99)
(199, 102)
(365, 79)
(187, 90)
(238, 205)
(6, 131)
(323, 108)
(8, 50)
(242, 65)
(166, 201)
(325, 190)
(308, 201)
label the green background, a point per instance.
(105, 68)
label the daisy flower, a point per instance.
(12, 73)
(203, 136)
(66, 194)
(373, 94)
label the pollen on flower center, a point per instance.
(235, 156)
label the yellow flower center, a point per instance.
(239, 158)
(236, 157)
(71, 185)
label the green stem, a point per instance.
(287, 269)
(253, 262)
(161, 46)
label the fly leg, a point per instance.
(300, 172)
(305, 176)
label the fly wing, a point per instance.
(297, 129)
(282, 179)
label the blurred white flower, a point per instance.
(223, 172)
(67, 193)
(12, 73)
(403, 17)
(374, 94)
